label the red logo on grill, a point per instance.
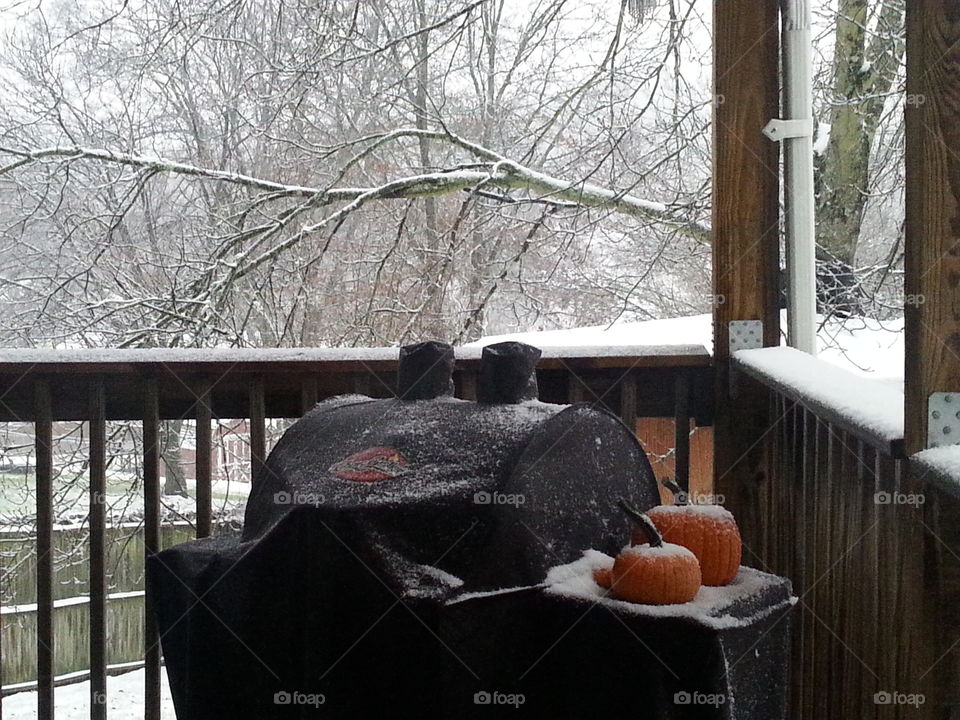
(371, 465)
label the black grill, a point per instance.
(393, 558)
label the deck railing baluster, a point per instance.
(681, 423)
(204, 450)
(258, 437)
(151, 541)
(97, 524)
(44, 477)
(308, 393)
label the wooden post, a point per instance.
(932, 306)
(745, 238)
(932, 242)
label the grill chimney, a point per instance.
(508, 373)
(425, 371)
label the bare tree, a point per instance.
(292, 124)
(859, 168)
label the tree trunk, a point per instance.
(175, 482)
(863, 73)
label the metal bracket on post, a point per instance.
(779, 130)
(943, 419)
(743, 335)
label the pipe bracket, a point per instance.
(779, 130)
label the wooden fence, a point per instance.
(123, 560)
(124, 556)
(71, 627)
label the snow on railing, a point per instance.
(871, 410)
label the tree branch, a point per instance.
(501, 173)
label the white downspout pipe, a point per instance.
(796, 132)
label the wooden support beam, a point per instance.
(932, 242)
(745, 239)
(932, 314)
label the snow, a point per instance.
(939, 465)
(690, 330)
(72, 702)
(231, 356)
(577, 576)
(67, 602)
(481, 594)
(875, 407)
(823, 139)
(665, 550)
(716, 512)
(196, 356)
(442, 576)
(864, 346)
(710, 606)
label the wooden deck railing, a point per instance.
(150, 386)
(869, 537)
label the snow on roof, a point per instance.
(690, 330)
(864, 346)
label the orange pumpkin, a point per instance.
(709, 531)
(601, 576)
(654, 573)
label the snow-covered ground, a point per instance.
(72, 702)
(868, 347)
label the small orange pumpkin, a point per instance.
(654, 573)
(601, 576)
(709, 531)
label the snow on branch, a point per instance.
(495, 171)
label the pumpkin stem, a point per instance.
(642, 521)
(680, 497)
